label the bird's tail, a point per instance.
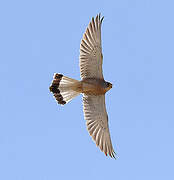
(65, 88)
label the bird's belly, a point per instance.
(92, 89)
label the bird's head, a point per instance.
(108, 86)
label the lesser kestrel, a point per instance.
(92, 86)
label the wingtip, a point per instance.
(99, 15)
(100, 18)
(111, 155)
(114, 155)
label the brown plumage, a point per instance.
(92, 86)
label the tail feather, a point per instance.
(64, 88)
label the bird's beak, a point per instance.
(111, 85)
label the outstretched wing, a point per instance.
(91, 51)
(97, 122)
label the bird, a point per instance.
(92, 86)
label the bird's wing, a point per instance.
(97, 122)
(91, 51)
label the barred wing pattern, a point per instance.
(91, 51)
(97, 122)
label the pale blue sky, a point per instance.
(40, 140)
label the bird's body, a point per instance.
(92, 86)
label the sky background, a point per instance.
(40, 140)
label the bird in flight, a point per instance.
(92, 86)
